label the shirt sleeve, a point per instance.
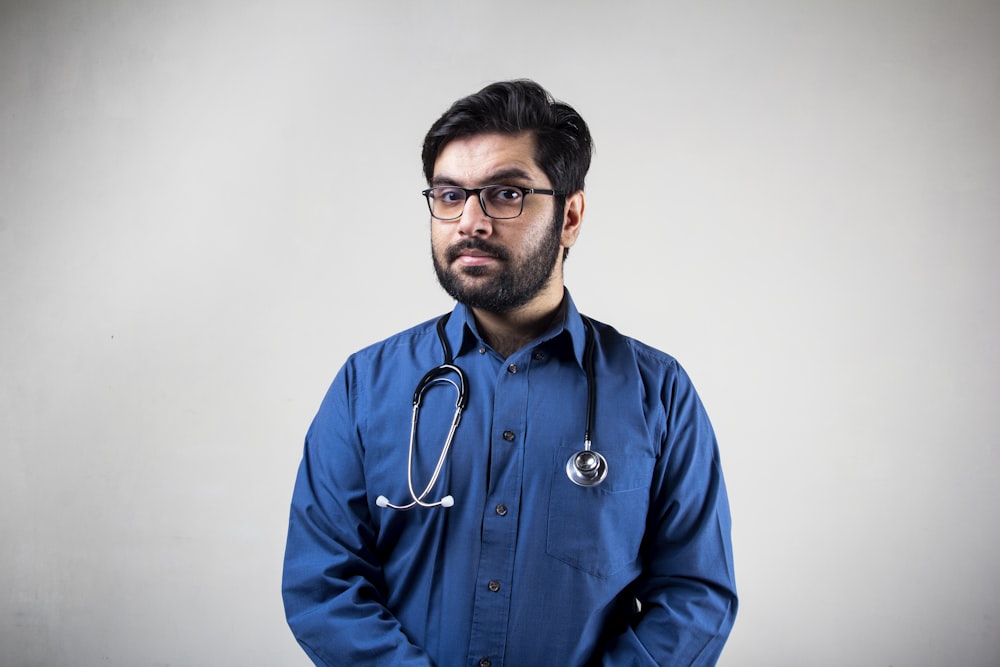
(687, 590)
(333, 587)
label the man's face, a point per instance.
(488, 264)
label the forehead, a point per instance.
(482, 158)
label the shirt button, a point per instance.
(512, 369)
(482, 350)
(485, 662)
(538, 356)
(508, 436)
(494, 585)
(502, 510)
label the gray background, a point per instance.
(206, 206)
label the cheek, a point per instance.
(536, 237)
(440, 241)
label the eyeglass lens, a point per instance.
(498, 201)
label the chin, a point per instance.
(474, 271)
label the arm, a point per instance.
(687, 589)
(333, 588)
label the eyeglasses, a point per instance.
(500, 202)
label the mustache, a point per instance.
(478, 244)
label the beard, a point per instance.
(518, 281)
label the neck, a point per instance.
(510, 331)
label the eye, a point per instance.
(505, 194)
(447, 195)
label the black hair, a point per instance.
(563, 146)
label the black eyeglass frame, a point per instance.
(479, 195)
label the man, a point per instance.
(556, 499)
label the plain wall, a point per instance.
(206, 206)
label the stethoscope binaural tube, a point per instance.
(436, 375)
(433, 377)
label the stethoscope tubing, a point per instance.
(584, 468)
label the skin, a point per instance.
(490, 159)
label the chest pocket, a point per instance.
(599, 529)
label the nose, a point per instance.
(474, 221)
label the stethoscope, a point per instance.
(586, 467)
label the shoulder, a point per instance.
(613, 342)
(661, 379)
(405, 341)
(386, 365)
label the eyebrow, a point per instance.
(500, 177)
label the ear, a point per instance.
(572, 218)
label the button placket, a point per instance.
(490, 621)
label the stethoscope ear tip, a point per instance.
(382, 501)
(447, 501)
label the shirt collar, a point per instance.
(462, 334)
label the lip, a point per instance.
(472, 253)
(474, 258)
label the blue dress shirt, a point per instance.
(526, 568)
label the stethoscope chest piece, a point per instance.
(586, 468)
